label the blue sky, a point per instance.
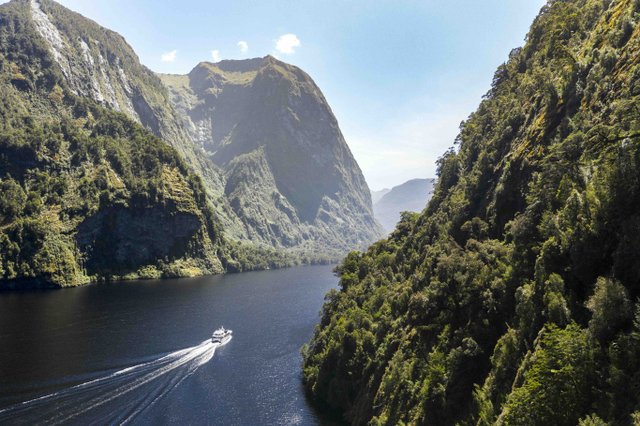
(399, 75)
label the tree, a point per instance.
(610, 308)
(12, 199)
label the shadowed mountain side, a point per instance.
(263, 108)
(322, 209)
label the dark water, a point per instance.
(138, 351)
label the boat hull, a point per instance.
(222, 341)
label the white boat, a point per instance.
(221, 336)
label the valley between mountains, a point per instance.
(506, 291)
(110, 171)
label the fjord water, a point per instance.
(139, 351)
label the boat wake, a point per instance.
(110, 399)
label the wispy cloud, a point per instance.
(408, 146)
(287, 43)
(243, 46)
(215, 55)
(169, 56)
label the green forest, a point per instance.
(88, 194)
(100, 180)
(513, 298)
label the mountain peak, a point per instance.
(234, 65)
(267, 119)
(412, 196)
(251, 67)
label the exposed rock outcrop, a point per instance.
(274, 117)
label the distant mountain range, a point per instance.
(108, 170)
(377, 195)
(411, 196)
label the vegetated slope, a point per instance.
(272, 206)
(411, 196)
(89, 65)
(98, 64)
(512, 299)
(289, 173)
(86, 192)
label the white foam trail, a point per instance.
(110, 399)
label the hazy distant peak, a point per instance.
(377, 195)
(412, 195)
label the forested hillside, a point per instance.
(513, 298)
(88, 193)
(100, 179)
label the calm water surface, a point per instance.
(138, 351)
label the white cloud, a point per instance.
(244, 46)
(215, 54)
(169, 56)
(287, 43)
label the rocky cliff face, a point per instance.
(269, 122)
(219, 113)
(89, 68)
(87, 193)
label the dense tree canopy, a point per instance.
(86, 193)
(512, 298)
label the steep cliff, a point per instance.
(289, 173)
(98, 64)
(87, 193)
(513, 298)
(62, 70)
